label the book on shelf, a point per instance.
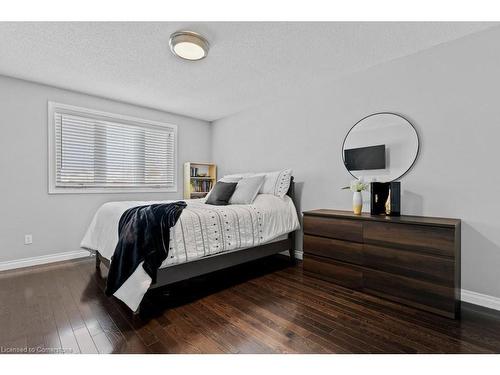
(196, 172)
(201, 186)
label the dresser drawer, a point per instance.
(351, 252)
(410, 264)
(434, 240)
(349, 230)
(436, 298)
(340, 273)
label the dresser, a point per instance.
(412, 260)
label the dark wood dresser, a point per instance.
(411, 260)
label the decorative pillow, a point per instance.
(246, 190)
(225, 179)
(276, 183)
(221, 193)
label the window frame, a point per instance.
(54, 107)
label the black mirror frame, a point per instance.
(384, 113)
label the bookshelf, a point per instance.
(199, 178)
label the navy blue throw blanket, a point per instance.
(143, 235)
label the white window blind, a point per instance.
(96, 151)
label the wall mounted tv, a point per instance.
(365, 158)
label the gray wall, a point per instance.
(450, 93)
(58, 222)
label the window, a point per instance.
(91, 151)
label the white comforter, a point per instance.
(202, 230)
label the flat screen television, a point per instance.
(365, 158)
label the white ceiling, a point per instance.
(248, 63)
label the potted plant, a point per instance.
(357, 186)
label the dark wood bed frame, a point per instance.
(184, 271)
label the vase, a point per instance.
(357, 202)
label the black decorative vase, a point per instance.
(385, 198)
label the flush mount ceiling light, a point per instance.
(188, 45)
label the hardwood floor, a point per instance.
(266, 306)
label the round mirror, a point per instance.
(381, 147)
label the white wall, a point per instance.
(451, 93)
(58, 222)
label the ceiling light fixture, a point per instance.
(188, 45)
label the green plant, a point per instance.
(356, 186)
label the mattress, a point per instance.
(202, 230)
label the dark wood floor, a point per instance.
(265, 306)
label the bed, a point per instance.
(205, 239)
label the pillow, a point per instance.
(276, 183)
(238, 175)
(223, 179)
(221, 193)
(246, 190)
(230, 179)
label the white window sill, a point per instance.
(88, 190)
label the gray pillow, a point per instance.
(246, 190)
(221, 193)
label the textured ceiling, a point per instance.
(248, 63)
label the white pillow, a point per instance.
(239, 176)
(276, 183)
(246, 190)
(230, 179)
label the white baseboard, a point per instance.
(44, 259)
(480, 299)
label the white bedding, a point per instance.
(202, 230)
